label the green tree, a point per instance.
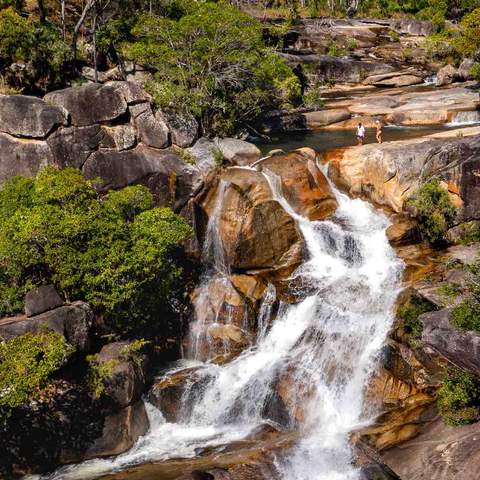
(115, 252)
(468, 43)
(213, 62)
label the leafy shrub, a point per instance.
(213, 63)
(39, 45)
(475, 72)
(115, 252)
(449, 291)
(313, 98)
(468, 42)
(434, 210)
(466, 315)
(458, 399)
(394, 36)
(409, 313)
(98, 373)
(407, 54)
(335, 50)
(27, 364)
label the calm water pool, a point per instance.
(323, 140)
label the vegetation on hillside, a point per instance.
(27, 364)
(116, 252)
(458, 399)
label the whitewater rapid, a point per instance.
(327, 344)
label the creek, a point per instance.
(326, 344)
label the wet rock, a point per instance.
(73, 321)
(151, 129)
(183, 128)
(72, 146)
(120, 432)
(446, 75)
(303, 184)
(462, 348)
(255, 231)
(326, 117)
(89, 104)
(438, 452)
(22, 157)
(31, 117)
(238, 152)
(126, 377)
(169, 178)
(42, 299)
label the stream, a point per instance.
(326, 344)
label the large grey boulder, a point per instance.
(120, 432)
(121, 137)
(325, 117)
(71, 146)
(464, 71)
(73, 321)
(414, 27)
(42, 299)
(91, 103)
(31, 117)
(125, 381)
(170, 179)
(22, 157)
(460, 347)
(203, 154)
(151, 131)
(238, 152)
(446, 75)
(183, 128)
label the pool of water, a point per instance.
(323, 140)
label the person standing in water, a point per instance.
(360, 134)
(379, 133)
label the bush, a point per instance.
(458, 398)
(40, 46)
(409, 313)
(475, 72)
(27, 364)
(115, 252)
(468, 42)
(434, 210)
(466, 315)
(313, 98)
(213, 63)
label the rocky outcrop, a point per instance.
(73, 321)
(29, 117)
(238, 152)
(389, 173)
(438, 452)
(322, 118)
(42, 299)
(462, 348)
(446, 75)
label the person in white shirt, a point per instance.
(360, 134)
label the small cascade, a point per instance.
(471, 117)
(324, 346)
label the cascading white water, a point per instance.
(326, 343)
(471, 117)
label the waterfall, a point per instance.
(326, 344)
(466, 118)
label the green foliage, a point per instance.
(458, 398)
(434, 210)
(466, 315)
(27, 364)
(407, 54)
(112, 252)
(313, 98)
(468, 42)
(476, 71)
(38, 45)
(217, 155)
(409, 313)
(98, 373)
(213, 63)
(394, 36)
(334, 49)
(449, 291)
